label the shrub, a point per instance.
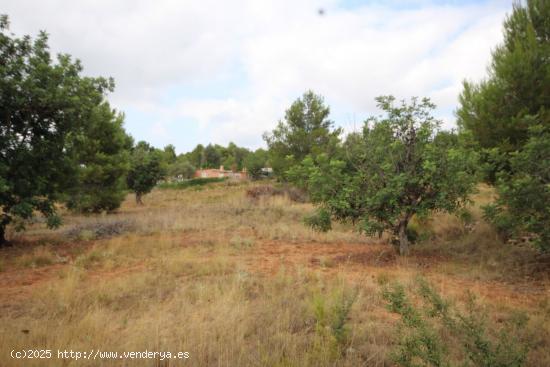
(319, 221)
(331, 313)
(431, 331)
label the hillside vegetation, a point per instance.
(236, 280)
(400, 243)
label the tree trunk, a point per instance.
(403, 240)
(3, 240)
(138, 199)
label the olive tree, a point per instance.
(401, 166)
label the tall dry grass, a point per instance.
(184, 273)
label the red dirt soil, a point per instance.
(354, 261)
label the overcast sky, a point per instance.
(190, 72)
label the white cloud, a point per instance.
(271, 51)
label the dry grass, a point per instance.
(240, 282)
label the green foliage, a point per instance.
(422, 343)
(196, 157)
(213, 156)
(523, 205)
(101, 155)
(43, 103)
(305, 131)
(400, 166)
(465, 216)
(254, 163)
(146, 169)
(509, 116)
(436, 333)
(169, 154)
(500, 110)
(331, 314)
(195, 182)
(320, 220)
(181, 169)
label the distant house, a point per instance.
(221, 173)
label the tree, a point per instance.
(509, 115)
(523, 204)
(101, 155)
(229, 162)
(235, 156)
(181, 168)
(196, 156)
(42, 103)
(146, 169)
(306, 130)
(498, 110)
(170, 154)
(212, 156)
(254, 163)
(399, 168)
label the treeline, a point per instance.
(231, 157)
(60, 141)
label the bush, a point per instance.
(319, 221)
(436, 333)
(95, 199)
(331, 312)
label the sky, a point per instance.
(190, 72)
